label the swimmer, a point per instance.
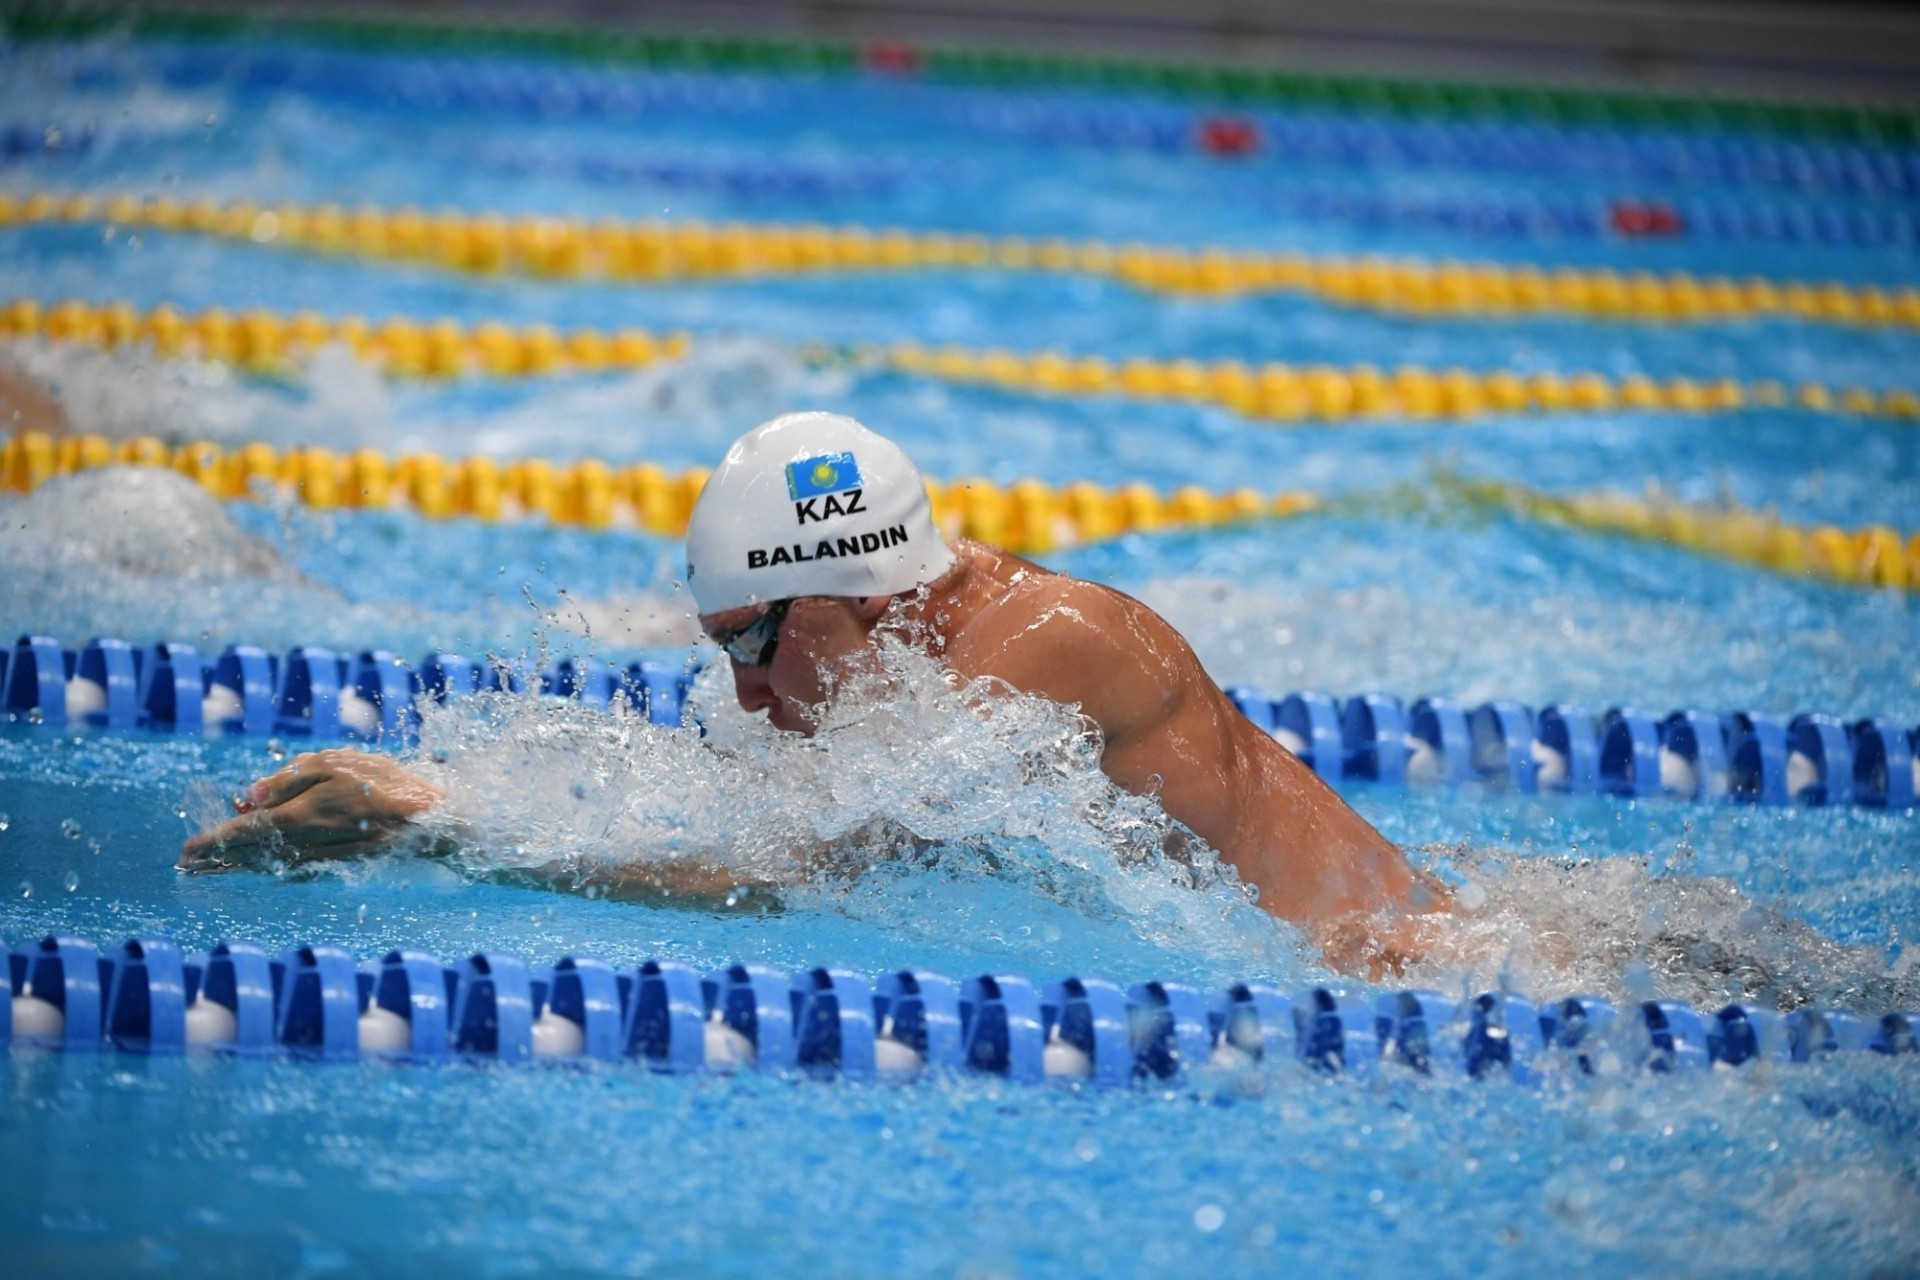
(813, 536)
(26, 405)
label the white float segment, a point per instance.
(1550, 765)
(210, 1022)
(1425, 764)
(1678, 777)
(892, 1056)
(221, 704)
(358, 714)
(1802, 772)
(555, 1036)
(85, 695)
(727, 1048)
(1064, 1060)
(896, 1057)
(33, 1016)
(384, 1031)
(1291, 741)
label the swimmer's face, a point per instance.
(816, 638)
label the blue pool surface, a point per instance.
(120, 1164)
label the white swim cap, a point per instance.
(811, 504)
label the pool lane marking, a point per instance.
(271, 343)
(656, 252)
(1028, 516)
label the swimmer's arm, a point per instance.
(682, 879)
(343, 803)
(656, 880)
(331, 804)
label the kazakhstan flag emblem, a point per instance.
(818, 476)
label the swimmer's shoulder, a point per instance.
(998, 563)
(1038, 613)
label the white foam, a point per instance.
(145, 553)
(906, 771)
(151, 522)
(128, 392)
(1616, 928)
(1230, 1057)
(698, 402)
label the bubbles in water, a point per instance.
(180, 812)
(26, 888)
(360, 916)
(276, 750)
(70, 828)
(71, 881)
(5, 821)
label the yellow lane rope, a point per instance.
(1874, 556)
(659, 251)
(1027, 516)
(269, 342)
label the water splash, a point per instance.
(1619, 928)
(679, 412)
(125, 393)
(137, 552)
(911, 777)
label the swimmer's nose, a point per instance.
(751, 686)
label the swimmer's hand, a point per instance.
(326, 804)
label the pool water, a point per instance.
(119, 1163)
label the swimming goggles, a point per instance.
(753, 644)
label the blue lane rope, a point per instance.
(314, 692)
(316, 1002)
(735, 176)
(1717, 160)
(1580, 217)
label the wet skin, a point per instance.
(1169, 731)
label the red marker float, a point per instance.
(1228, 135)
